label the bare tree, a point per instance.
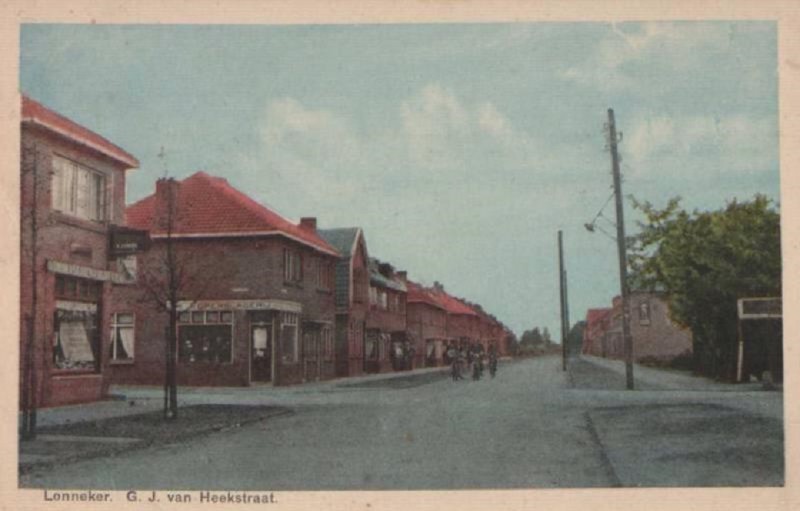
(174, 275)
(30, 183)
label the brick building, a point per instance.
(426, 324)
(72, 196)
(654, 335)
(597, 324)
(256, 302)
(385, 346)
(463, 322)
(351, 290)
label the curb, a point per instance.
(26, 468)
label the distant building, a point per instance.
(258, 301)
(72, 198)
(385, 346)
(655, 337)
(463, 323)
(426, 323)
(351, 290)
(594, 335)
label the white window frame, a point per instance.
(117, 324)
(67, 189)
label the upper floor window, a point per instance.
(78, 190)
(292, 266)
(324, 275)
(644, 313)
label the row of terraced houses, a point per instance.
(262, 299)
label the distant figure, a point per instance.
(455, 362)
(492, 360)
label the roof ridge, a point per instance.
(28, 112)
(223, 185)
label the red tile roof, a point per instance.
(419, 294)
(453, 305)
(209, 206)
(36, 113)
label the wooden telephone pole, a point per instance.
(623, 260)
(562, 284)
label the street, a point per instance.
(533, 426)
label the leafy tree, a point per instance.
(546, 339)
(531, 339)
(705, 261)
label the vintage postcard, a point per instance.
(366, 255)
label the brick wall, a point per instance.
(225, 269)
(66, 239)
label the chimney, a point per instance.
(309, 223)
(402, 275)
(166, 196)
(438, 286)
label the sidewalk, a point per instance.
(649, 378)
(127, 400)
(131, 418)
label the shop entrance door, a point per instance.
(261, 353)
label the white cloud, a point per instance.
(694, 143)
(679, 46)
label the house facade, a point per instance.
(72, 200)
(385, 345)
(463, 322)
(351, 290)
(426, 324)
(597, 324)
(256, 291)
(655, 337)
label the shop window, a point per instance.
(289, 337)
(122, 337)
(205, 336)
(78, 190)
(76, 337)
(292, 266)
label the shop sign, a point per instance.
(125, 241)
(280, 305)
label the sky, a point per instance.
(460, 149)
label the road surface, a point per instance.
(531, 427)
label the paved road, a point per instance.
(531, 427)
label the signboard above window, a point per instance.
(124, 241)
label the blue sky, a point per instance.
(461, 149)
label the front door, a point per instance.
(311, 353)
(261, 353)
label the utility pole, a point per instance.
(563, 293)
(566, 315)
(623, 260)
